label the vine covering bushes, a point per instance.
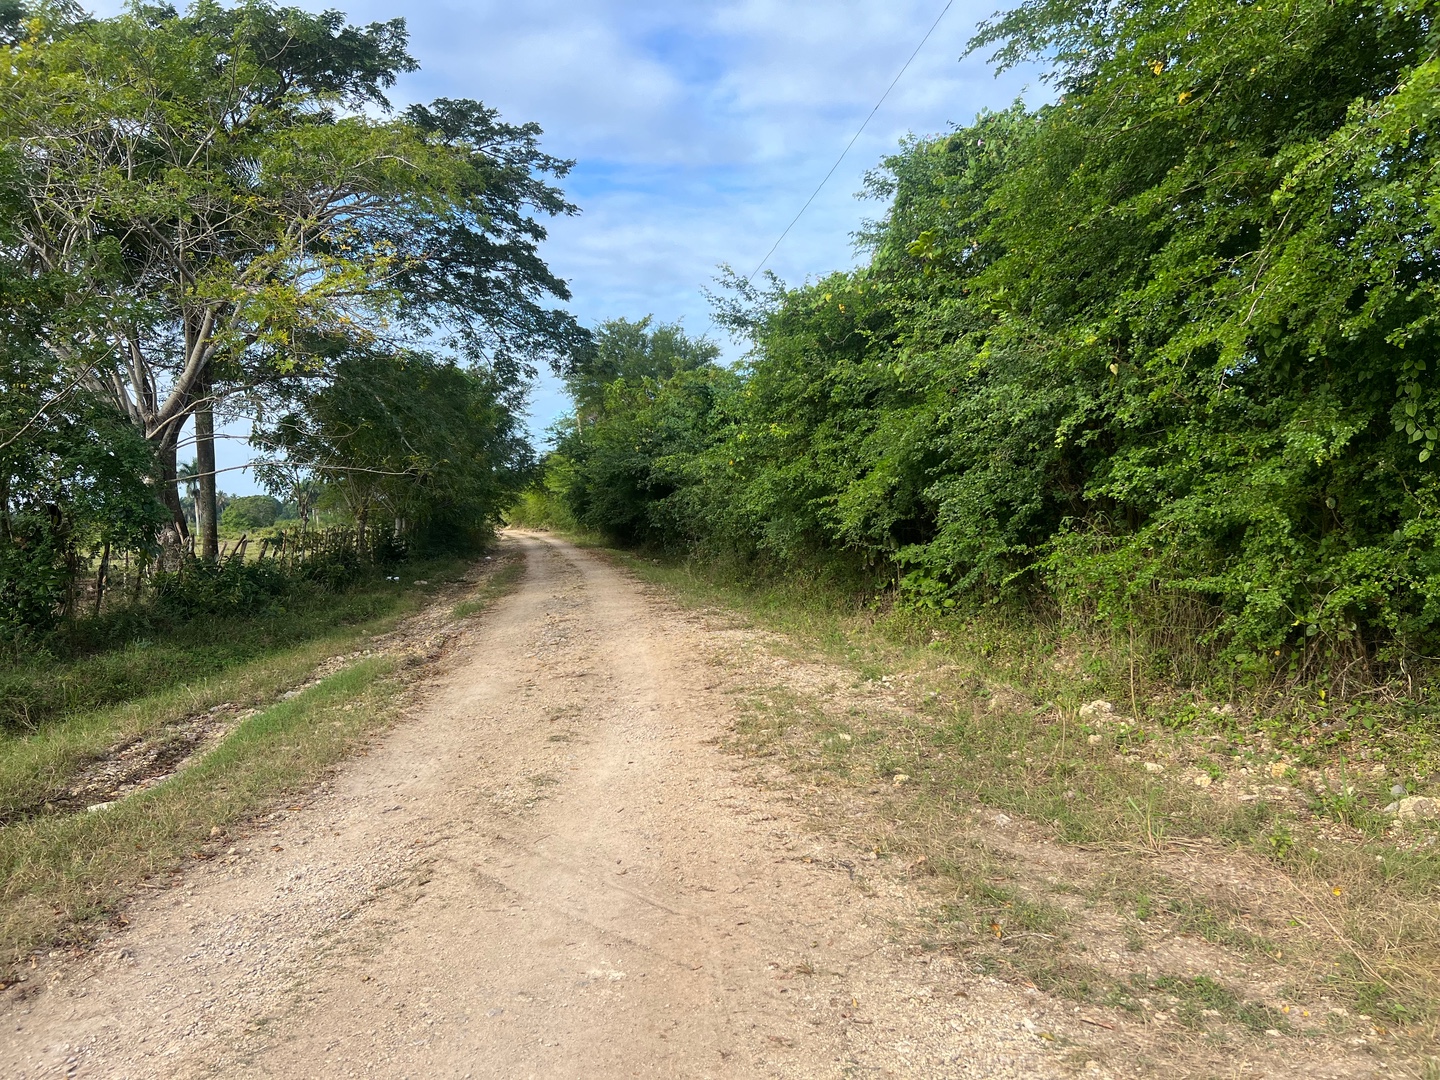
(1162, 350)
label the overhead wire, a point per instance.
(819, 187)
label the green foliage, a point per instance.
(1235, 273)
(71, 484)
(229, 186)
(232, 586)
(1161, 352)
(542, 505)
(74, 475)
(406, 438)
(632, 351)
(217, 205)
(248, 512)
(141, 651)
(645, 400)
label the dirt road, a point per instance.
(547, 870)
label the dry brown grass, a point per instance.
(1230, 889)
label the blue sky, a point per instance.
(699, 129)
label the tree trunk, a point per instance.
(360, 519)
(100, 578)
(165, 453)
(207, 519)
(176, 531)
(72, 578)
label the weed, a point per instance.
(1279, 841)
(1207, 919)
(1379, 1001)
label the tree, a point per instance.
(1161, 351)
(188, 476)
(233, 203)
(644, 400)
(250, 512)
(404, 438)
(633, 351)
(74, 477)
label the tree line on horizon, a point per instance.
(1160, 353)
(215, 214)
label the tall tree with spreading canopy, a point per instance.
(404, 436)
(73, 474)
(234, 202)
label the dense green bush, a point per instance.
(247, 512)
(644, 398)
(230, 586)
(1161, 352)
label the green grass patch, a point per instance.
(61, 871)
(1193, 998)
(242, 661)
(135, 654)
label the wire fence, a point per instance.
(324, 556)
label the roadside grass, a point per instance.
(137, 653)
(1155, 832)
(143, 688)
(60, 872)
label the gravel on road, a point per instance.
(548, 869)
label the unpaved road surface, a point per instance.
(547, 870)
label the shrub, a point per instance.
(218, 588)
(249, 512)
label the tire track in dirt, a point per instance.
(547, 870)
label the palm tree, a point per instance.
(189, 477)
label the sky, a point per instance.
(698, 130)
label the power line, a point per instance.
(851, 143)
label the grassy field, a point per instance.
(61, 869)
(63, 710)
(1146, 829)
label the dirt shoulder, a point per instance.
(1179, 892)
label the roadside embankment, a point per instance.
(96, 802)
(1206, 880)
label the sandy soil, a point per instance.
(548, 870)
